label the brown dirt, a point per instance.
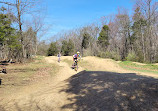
(107, 88)
(98, 64)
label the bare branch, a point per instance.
(8, 3)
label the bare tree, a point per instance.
(149, 9)
(22, 7)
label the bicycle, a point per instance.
(75, 65)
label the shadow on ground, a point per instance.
(109, 91)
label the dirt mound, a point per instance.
(103, 64)
(99, 64)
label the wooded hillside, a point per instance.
(121, 36)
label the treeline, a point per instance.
(19, 27)
(120, 36)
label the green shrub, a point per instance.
(140, 57)
(111, 55)
(115, 56)
(132, 57)
(108, 54)
(103, 54)
(87, 52)
(99, 54)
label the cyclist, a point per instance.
(59, 55)
(75, 57)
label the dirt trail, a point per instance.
(41, 96)
(70, 91)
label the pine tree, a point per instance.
(103, 39)
(67, 47)
(85, 41)
(53, 50)
(139, 29)
(9, 43)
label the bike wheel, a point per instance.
(76, 68)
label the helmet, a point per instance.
(78, 52)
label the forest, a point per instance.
(122, 36)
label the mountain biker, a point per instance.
(75, 56)
(59, 55)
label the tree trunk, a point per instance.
(23, 55)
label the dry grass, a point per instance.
(26, 74)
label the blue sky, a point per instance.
(69, 14)
(65, 15)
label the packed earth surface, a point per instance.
(98, 85)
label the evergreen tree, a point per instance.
(6, 31)
(67, 47)
(138, 38)
(53, 50)
(138, 28)
(139, 23)
(85, 41)
(103, 39)
(9, 43)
